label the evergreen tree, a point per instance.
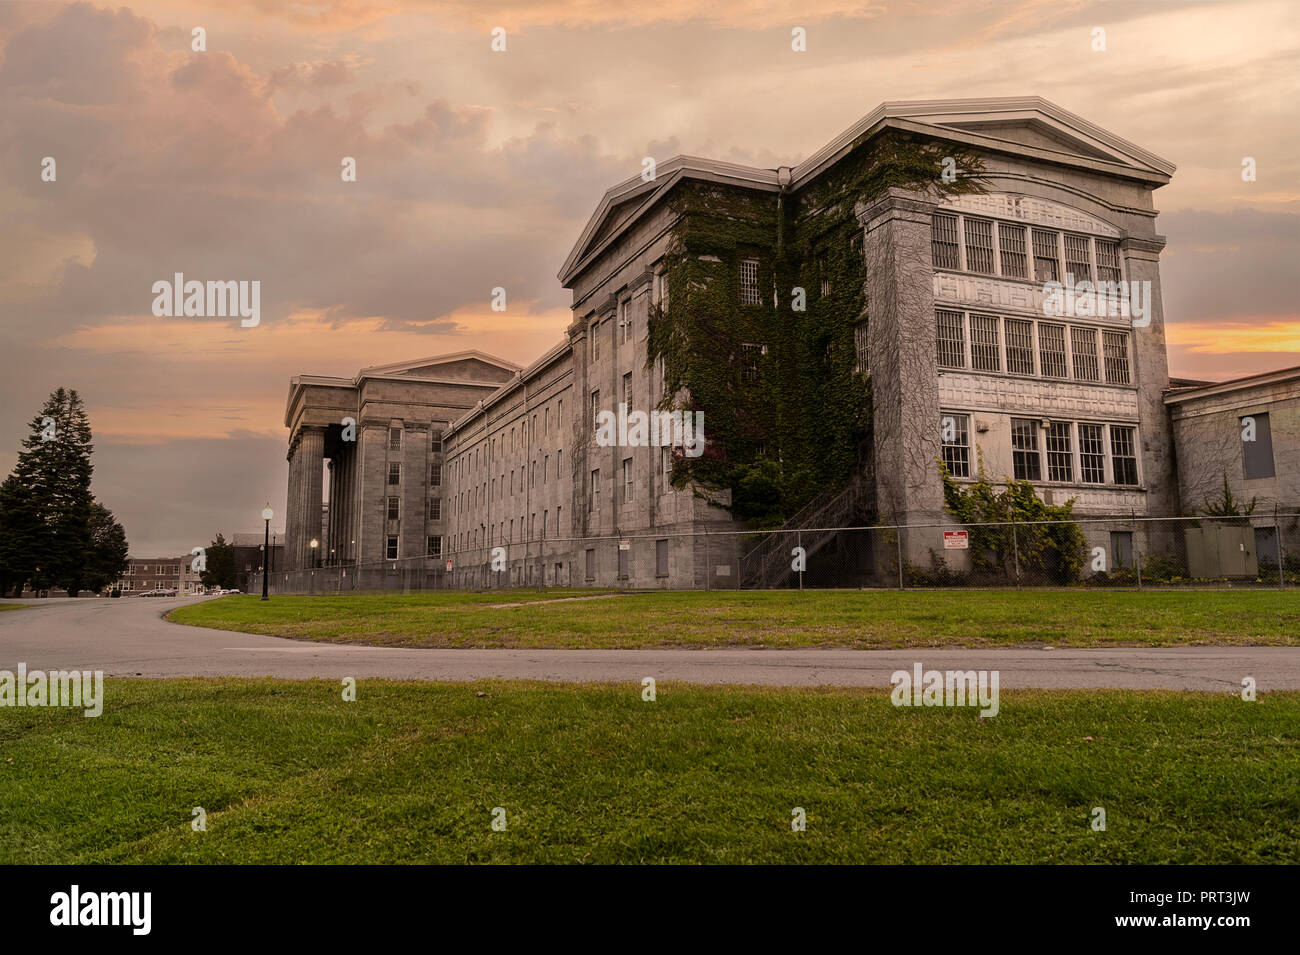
(106, 560)
(221, 565)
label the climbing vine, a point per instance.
(787, 414)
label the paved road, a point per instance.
(128, 637)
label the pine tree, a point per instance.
(45, 504)
(106, 560)
(221, 564)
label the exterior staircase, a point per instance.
(812, 527)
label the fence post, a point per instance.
(805, 557)
(898, 540)
(1015, 549)
(1281, 553)
(708, 571)
(1137, 554)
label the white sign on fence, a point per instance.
(624, 545)
(955, 540)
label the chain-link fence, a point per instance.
(1100, 552)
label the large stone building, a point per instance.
(955, 326)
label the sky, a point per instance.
(477, 169)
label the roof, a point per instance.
(1207, 389)
(1026, 125)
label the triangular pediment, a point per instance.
(461, 366)
(1034, 132)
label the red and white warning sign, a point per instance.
(955, 540)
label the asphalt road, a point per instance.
(128, 637)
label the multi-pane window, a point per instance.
(394, 473)
(1077, 258)
(595, 489)
(979, 246)
(595, 409)
(624, 322)
(1115, 351)
(435, 475)
(394, 439)
(1020, 346)
(954, 435)
(1107, 260)
(1092, 453)
(943, 242)
(435, 441)
(666, 464)
(1123, 455)
(390, 550)
(1060, 456)
(1051, 350)
(1011, 242)
(1025, 460)
(393, 508)
(1083, 349)
(951, 339)
(627, 391)
(435, 508)
(627, 481)
(1047, 265)
(435, 546)
(985, 344)
(595, 341)
(860, 346)
(749, 282)
(751, 361)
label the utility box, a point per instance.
(1218, 550)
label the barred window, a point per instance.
(1020, 346)
(1024, 450)
(1092, 454)
(749, 282)
(1107, 260)
(435, 546)
(985, 346)
(1123, 455)
(1060, 456)
(390, 551)
(1051, 350)
(751, 361)
(1011, 242)
(1083, 346)
(1047, 266)
(860, 346)
(1115, 350)
(393, 508)
(951, 339)
(1077, 260)
(394, 439)
(979, 246)
(435, 475)
(954, 434)
(435, 508)
(943, 241)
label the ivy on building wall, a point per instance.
(787, 413)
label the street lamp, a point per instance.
(266, 547)
(314, 544)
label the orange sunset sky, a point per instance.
(478, 169)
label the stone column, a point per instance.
(903, 364)
(311, 448)
(293, 511)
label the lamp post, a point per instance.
(314, 544)
(266, 516)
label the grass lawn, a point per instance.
(289, 772)
(5, 606)
(843, 618)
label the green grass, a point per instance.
(289, 772)
(846, 618)
(5, 606)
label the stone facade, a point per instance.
(966, 362)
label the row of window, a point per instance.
(1031, 347)
(1069, 452)
(395, 440)
(433, 509)
(505, 531)
(962, 243)
(483, 455)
